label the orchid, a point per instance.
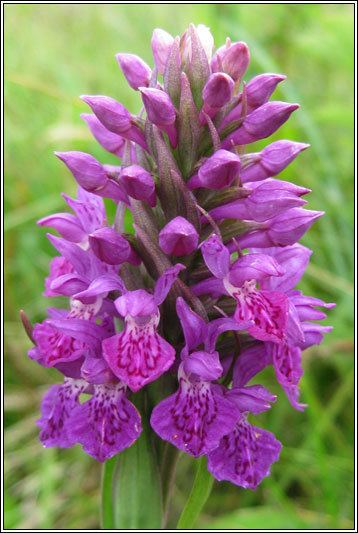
(166, 326)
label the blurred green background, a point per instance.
(53, 53)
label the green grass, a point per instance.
(56, 52)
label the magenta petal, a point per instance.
(165, 282)
(89, 209)
(268, 310)
(250, 362)
(102, 285)
(56, 408)
(193, 325)
(254, 399)
(216, 256)
(59, 266)
(244, 456)
(107, 423)
(138, 355)
(195, 418)
(54, 346)
(287, 364)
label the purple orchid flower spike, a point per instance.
(139, 354)
(195, 189)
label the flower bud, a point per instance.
(216, 93)
(160, 111)
(91, 175)
(178, 237)
(161, 43)
(261, 123)
(258, 92)
(87, 171)
(254, 266)
(139, 184)
(283, 230)
(111, 247)
(136, 71)
(271, 161)
(216, 256)
(294, 260)
(115, 117)
(205, 37)
(266, 200)
(233, 59)
(110, 141)
(68, 284)
(67, 225)
(218, 171)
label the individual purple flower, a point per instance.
(136, 71)
(160, 111)
(139, 354)
(178, 237)
(139, 184)
(267, 309)
(217, 172)
(198, 415)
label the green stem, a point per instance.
(169, 463)
(200, 492)
(107, 515)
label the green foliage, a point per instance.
(54, 53)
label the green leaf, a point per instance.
(107, 517)
(200, 492)
(137, 493)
